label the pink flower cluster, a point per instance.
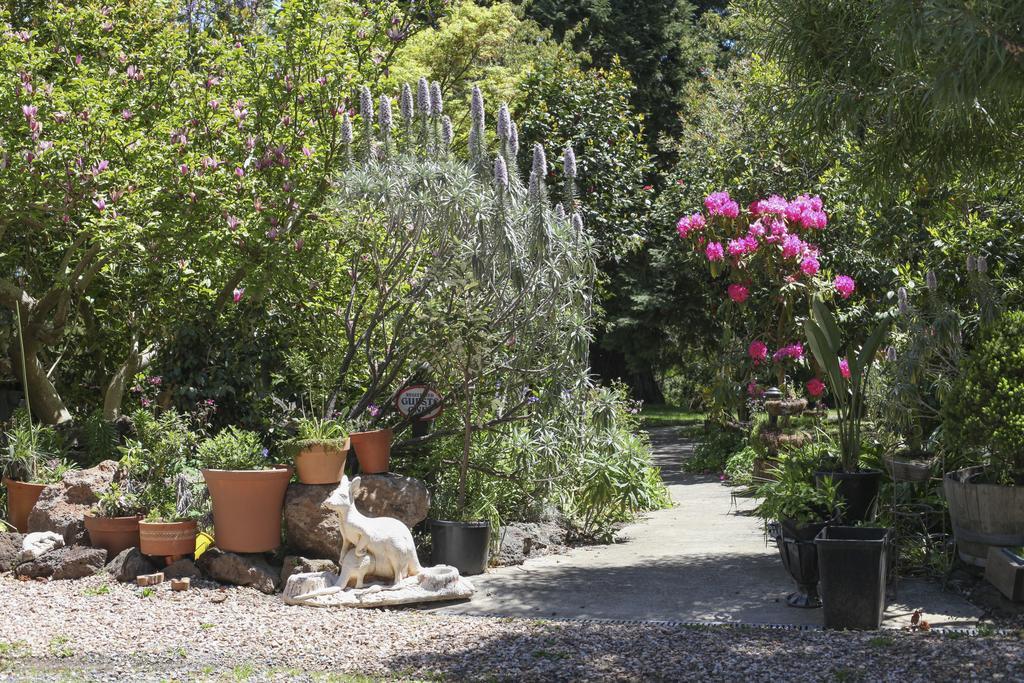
(815, 387)
(688, 224)
(721, 204)
(794, 351)
(807, 212)
(758, 351)
(844, 285)
(738, 293)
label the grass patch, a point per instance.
(663, 416)
(206, 625)
(98, 590)
(243, 672)
(881, 641)
(59, 647)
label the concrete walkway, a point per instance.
(703, 560)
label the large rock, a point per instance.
(240, 570)
(129, 564)
(62, 507)
(313, 530)
(521, 540)
(392, 495)
(10, 548)
(293, 564)
(74, 562)
(182, 569)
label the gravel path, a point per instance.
(94, 629)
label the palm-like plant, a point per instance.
(846, 384)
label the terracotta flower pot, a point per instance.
(21, 498)
(167, 539)
(113, 534)
(247, 508)
(321, 464)
(373, 450)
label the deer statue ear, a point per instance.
(353, 486)
(344, 480)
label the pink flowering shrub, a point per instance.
(738, 293)
(769, 255)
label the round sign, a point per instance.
(420, 401)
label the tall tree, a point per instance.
(659, 42)
(933, 89)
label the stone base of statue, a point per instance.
(323, 589)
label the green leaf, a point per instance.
(823, 316)
(870, 348)
(827, 359)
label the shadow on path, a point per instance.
(703, 560)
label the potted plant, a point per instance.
(373, 448)
(114, 522)
(247, 495)
(30, 461)
(799, 510)
(319, 449)
(847, 381)
(982, 422)
(463, 541)
(159, 461)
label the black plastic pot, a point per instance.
(852, 564)
(463, 545)
(800, 558)
(859, 490)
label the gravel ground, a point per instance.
(96, 630)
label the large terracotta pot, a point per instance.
(113, 534)
(167, 539)
(373, 450)
(21, 498)
(247, 508)
(984, 515)
(321, 464)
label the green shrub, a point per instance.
(33, 453)
(233, 449)
(718, 443)
(739, 468)
(793, 494)
(985, 411)
(158, 461)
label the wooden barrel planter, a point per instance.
(983, 515)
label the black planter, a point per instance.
(852, 563)
(463, 545)
(800, 558)
(859, 490)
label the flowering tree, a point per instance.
(155, 164)
(771, 263)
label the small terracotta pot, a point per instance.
(167, 539)
(373, 450)
(321, 464)
(247, 508)
(113, 534)
(21, 498)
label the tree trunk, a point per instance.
(47, 405)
